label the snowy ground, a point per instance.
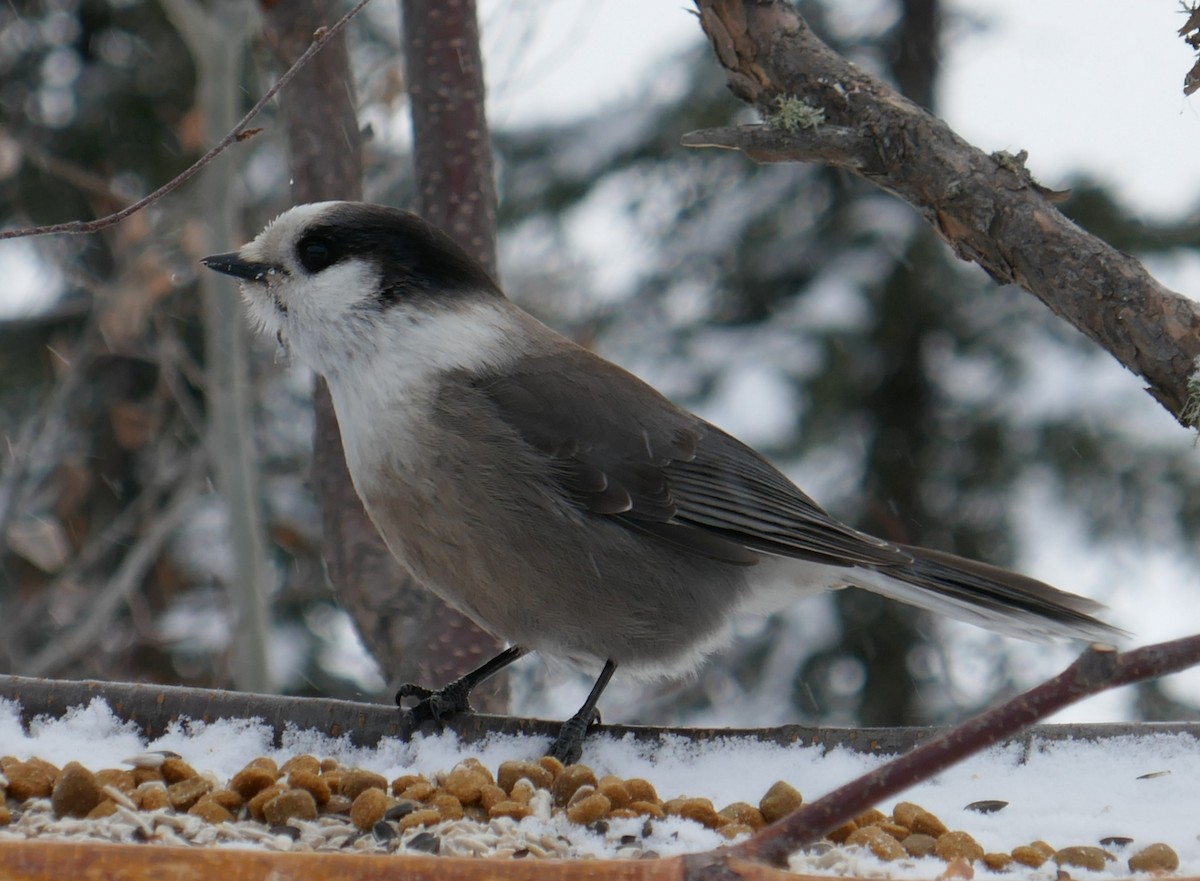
(1070, 793)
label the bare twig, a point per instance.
(987, 208)
(1098, 669)
(237, 134)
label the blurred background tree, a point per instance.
(810, 314)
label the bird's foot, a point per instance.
(568, 746)
(432, 706)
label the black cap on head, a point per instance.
(415, 259)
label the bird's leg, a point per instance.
(568, 746)
(433, 706)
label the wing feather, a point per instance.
(620, 449)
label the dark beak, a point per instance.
(233, 264)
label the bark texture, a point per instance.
(987, 208)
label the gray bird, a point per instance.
(554, 498)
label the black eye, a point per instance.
(315, 254)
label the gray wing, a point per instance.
(673, 475)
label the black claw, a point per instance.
(433, 706)
(568, 746)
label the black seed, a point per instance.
(426, 842)
(292, 832)
(401, 810)
(987, 806)
(383, 831)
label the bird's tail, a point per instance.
(988, 596)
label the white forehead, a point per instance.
(279, 236)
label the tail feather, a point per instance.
(989, 596)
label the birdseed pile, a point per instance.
(524, 810)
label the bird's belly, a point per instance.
(540, 573)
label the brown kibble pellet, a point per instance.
(623, 814)
(27, 780)
(614, 789)
(1028, 856)
(700, 810)
(176, 770)
(226, 798)
(423, 817)
(369, 808)
(356, 780)
(953, 845)
(960, 868)
(508, 808)
(641, 790)
(895, 830)
(918, 845)
(447, 805)
(905, 812)
(1083, 856)
(266, 763)
(186, 793)
(328, 765)
(589, 809)
(422, 791)
(49, 767)
(305, 762)
(570, 779)
(841, 833)
(317, 786)
(337, 804)
(491, 795)
(118, 778)
(878, 842)
(522, 791)
(151, 796)
(997, 862)
(648, 809)
(404, 781)
(147, 775)
(871, 817)
(551, 764)
(926, 823)
(297, 803)
(780, 800)
(475, 765)
(1156, 857)
(255, 805)
(5, 814)
(733, 830)
(509, 773)
(76, 792)
(211, 812)
(252, 780)
(581, 793)
(742, 814)
(106, 808)
(465, 784)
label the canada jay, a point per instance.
(557, 500)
